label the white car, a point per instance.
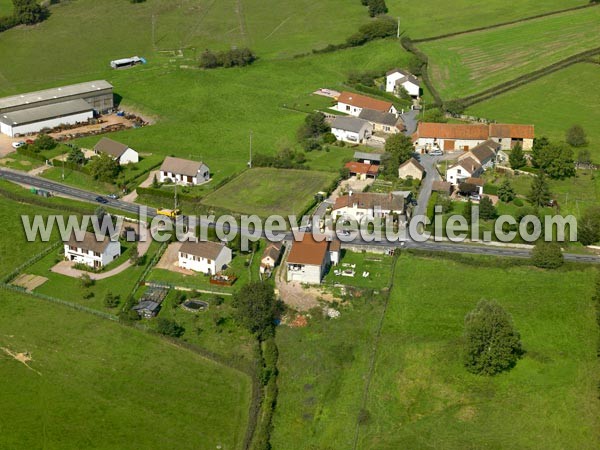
(18, 144)
(436, 152)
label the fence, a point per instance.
(11, 276)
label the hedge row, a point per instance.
(409, 46)
(39, 201)
(527, 78)
(503, 24)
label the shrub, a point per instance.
(492, 344)
(547, 255)
(576, 136)
(517, 202)
(231, 58)
(169, 327)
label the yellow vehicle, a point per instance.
(172, 213)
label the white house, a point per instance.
(353, 104)
(270, 257)
(351, 129)
(484, 153)
(183, 171)
(204, 256)
(397, 78)
(466, 168)
(367, 205)
(121, 153)
(309, 259)
(92, 251)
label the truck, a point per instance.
(172, 213)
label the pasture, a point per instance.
(266, 191)
(467, 64)
(436, 17)
(552, 105)
(6, 7)
(122, 378)
(421, 395)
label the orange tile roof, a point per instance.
(308, 251)
(358, 167)
(510, 130)
(452, 131)
(362, 101)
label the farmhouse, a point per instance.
(509, 135)
(204, 256)
(382, 122)
(466, 168)
(309, 259)
(91, 251)
(411, 169)
(368, 158)
(351, 129)
(484, 153)
(450, 137)
(183, 171)
(397, 79)
(367, 205)
(270, 257)
(353, 104)
(121, 153)
(362, 170)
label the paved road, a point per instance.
(431, 175)
(410, 119)
(23, 178)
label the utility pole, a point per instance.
(398, 33)
(63, 170)
(175, 197)
(153, 31)
(250, 161)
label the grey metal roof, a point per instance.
(45, 112)
(353, 124)
(378, 117)
(410, 78)
(368, 156)
(146, 305)
(181, 166)
(54, 93)
(110, 147)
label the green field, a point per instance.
(552, 104)
(422, 397)
(265, 191)
(420, 394)
(6, 7)
(467, 64)
(437, 17)
(94, 383)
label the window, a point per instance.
(347, 107)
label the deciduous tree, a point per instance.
(256, 308)
(547, 255)
(575, 136)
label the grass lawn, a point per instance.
(20, 162)
(87, 371)
(70, 289)
(378, 266)
(421, 395)
(6, 7)
(468, 64)
(266, 191)
(552, 105)
(435, 17)
(14, 247)
(321, 378)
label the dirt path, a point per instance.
(23, 358)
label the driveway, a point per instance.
(410, 119)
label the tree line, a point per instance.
(236, 57)
(25, 12)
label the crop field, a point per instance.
(552, 105)
(436, 17)
(421, 395)
(119, 377)
(470, 63)
(265, 191)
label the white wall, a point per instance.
(390, 83)
(349, 109)
(112, 251)
(350, 136)
(205, 265)
(37, 126)
(130, 156)
(412, 89)
(310, 274)
(202, 176)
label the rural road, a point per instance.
(481, 249)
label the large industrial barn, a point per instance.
(34, 111)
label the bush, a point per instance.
(492, 344)
(576, 136)
(547, 255)
(169, 327)
(518, 202)
(232, 58)
(29, 12)
(44, 142)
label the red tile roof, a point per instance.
(362, 101)
(362, 168)
(514, 131)
(452, 131)
(308, 251)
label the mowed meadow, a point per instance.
(470, 63)
(553, 103)
(92, 383)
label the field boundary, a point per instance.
(503, 24)
(410, 47)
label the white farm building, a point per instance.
(31, 112)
